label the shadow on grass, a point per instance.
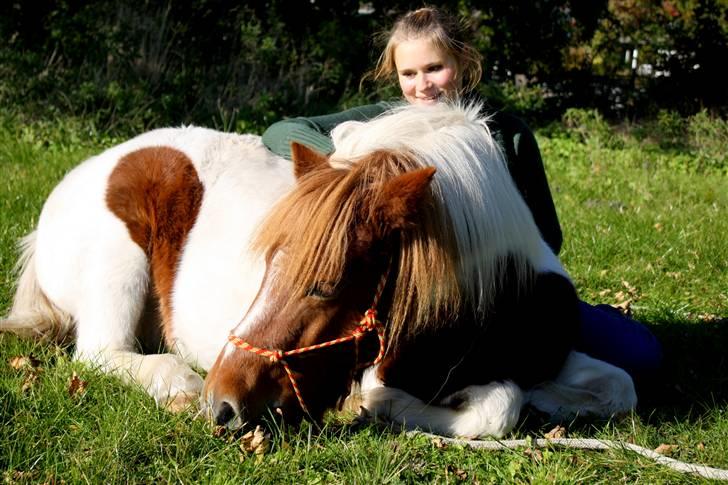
(694, 375)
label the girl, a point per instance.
(425, 52)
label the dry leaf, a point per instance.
(701, 446)
(76, 386)
(556, 433)
(460, 474)
(18, 476)
(21, 361)
(709, 318)
(439, 443)
(625, 307)
(631, 289)
(658, 226)
(665, 449)
(29, 381)
(604, 293)
(534, 453)
(603, 273)
(255, 442)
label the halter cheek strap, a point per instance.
(368, 323)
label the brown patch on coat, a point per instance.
(157, 193)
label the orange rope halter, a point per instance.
(367, 324)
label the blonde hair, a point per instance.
(444, 31)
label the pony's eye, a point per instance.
(324, 290)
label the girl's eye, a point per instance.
(434, 68)
(324, 290)
(408, 74)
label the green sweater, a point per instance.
(516, 139)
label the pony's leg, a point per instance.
(585, 386)
(107, 318)
(485, 410)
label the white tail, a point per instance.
(33, 314)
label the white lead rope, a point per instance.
(584, 444)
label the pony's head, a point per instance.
(374, 204)
(328, 246)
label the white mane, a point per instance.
(487, 213)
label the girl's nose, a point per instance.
(423, 82)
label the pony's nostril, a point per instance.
(224, 414)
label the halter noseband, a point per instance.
(367, 324)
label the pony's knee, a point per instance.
(489, 410)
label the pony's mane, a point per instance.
(473, 222)
(472, 183)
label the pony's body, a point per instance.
(90, 269)
(167, 219)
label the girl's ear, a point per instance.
(306, 160)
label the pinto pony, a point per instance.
(408, 248)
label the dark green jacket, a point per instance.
(516, 139)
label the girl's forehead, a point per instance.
(419, 50)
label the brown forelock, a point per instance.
(156, 192)
(318, 220)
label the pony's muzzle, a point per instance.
(223, 413)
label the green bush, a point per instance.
(709, 140)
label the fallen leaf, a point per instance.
(665, 449)
(460, 474)
(701, 446)
(603, 273)
(604, 293)
(76, 386)
(556, 433)
(534, 453)
(19, 476)
(439, 443)
(620, 296)
(625, 307)
(29, 381)
(709, 318)
(21, 361)
(658, 227)
(630, 289)
(255, 442)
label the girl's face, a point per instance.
(425, 74)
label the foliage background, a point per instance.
(129, 65)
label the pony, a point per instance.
(272, 276)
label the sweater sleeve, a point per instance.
(314, 132)
(526, 167)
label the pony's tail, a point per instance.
(33, 315)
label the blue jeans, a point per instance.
(608, 335)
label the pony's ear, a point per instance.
(305, 159)
(400, 199)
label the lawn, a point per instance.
(644, 225)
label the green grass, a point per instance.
(631, 212)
